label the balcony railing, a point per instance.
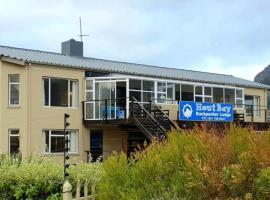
(105, 109)
(111, 109)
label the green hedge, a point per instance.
(41, 178)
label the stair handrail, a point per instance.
(148, 114)
(175, 125)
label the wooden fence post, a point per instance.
(93, 192)
(67, 191)
(85, 187)
(78, 190)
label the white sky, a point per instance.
(226, 36)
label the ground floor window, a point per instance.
(55, 141)
(96, 145)
(14, 141)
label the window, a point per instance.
(161, 92)
(187, 92)
(198, 93)
(249, 104)
(208, 96)
(203, 94)
(96, 144)
(218, 95)
(229, 96)
(60, 92)
(170, 92)
(135, 84)
(141, 90)
(55, 141)
(239, 101)
(14, 88)
(14, 142)
(256, 106)
(252, 103)
(177, 93)
(135, 89)
(89, 106)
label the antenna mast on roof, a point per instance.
(81, 34)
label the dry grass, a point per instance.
(201, 163)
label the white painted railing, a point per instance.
(67, 191)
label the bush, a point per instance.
(30, 178)
(41, 178)
(262, 184)
(196, 164)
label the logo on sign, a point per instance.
(187, 110)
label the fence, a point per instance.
(67, 191)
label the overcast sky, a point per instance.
(229, 36)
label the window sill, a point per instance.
(14, 107)
(60, 107)
(60, 154)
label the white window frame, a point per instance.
(162, 92)
(68, 94)
(143, 91)
(12, 135)
(128, 77)
(203, 95)
(9, 91)
(237, 98)
(60, 135)
(256, 111)
(91, 102)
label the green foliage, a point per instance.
(40, 177)
(196, 164)
(164, 171)
(262, 184)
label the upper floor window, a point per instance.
(252, 105)
(14, 89)
(141, 90)
(60, 92)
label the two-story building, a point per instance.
(108, 101)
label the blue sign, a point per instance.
(202, 111)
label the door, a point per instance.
(105, 100)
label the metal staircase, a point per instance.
(163, 118)
(153, 122)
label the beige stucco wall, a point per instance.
(113, 139)
(31, 117)
(263, 103)
(13, 117)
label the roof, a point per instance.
(50, 58)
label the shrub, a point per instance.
(41, 178)
(262, 184)
(197, 164)
(164, 171)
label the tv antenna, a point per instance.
(81, 34)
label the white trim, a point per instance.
(68, 93)
(9, 91)
(167, 80)
(127, 99)
(75, 131)
(15, 135)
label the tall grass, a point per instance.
(196, 164)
